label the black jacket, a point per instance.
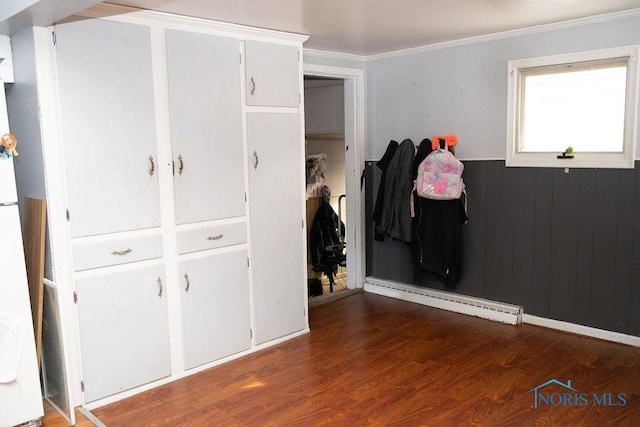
(382, 164)
(324, 241)
(395, 220)
(438, 243)
(437, 231)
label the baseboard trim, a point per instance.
(463, 304)
(486, 309)
(581, 330)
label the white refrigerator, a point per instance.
(20, 395)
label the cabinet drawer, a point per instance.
(116, 251)
(216, 236)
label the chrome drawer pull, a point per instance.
(159, 287)
(218, 237)
(126, 252)
(186, 277)
(152, 166)
(253, 86)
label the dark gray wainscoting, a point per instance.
(564, 246)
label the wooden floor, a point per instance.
(375, 361)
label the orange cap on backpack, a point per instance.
(450, 140)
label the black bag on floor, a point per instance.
(314, 287)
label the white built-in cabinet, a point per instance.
(183, 174)
(204, 74)
(214, 299)
(273, 177)
(271, 74)
(111, 168)
(107, 119)
(123, 329)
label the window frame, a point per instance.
(617, 160)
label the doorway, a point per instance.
(326, 188)
(343, 140)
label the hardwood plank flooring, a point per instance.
(53, 418)
(376, 361)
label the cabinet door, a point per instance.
(276, 189)
(108, 126)
(215, 306)
(272, 74)
(124, 330)
(206, 126)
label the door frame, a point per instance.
(354, 137)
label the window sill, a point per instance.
(579, 160)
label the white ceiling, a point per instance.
(369, 27)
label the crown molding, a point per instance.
(616, 16)
(608, 17)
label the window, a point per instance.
(574, 110)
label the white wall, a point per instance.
(463, 90)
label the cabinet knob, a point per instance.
(186, 278)
(152, 166)
(181, 167)
(159, 287)
(218, 237)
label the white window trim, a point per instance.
(624, 160)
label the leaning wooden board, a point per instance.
(34, 241)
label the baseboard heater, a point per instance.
(479, 307)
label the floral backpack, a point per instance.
(440, 175)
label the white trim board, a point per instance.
(486, 309)
(581, 330)
(354, 136)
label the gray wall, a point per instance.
(25, 123)
(563, 245)
(463, 90)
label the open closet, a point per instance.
(325, 165)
